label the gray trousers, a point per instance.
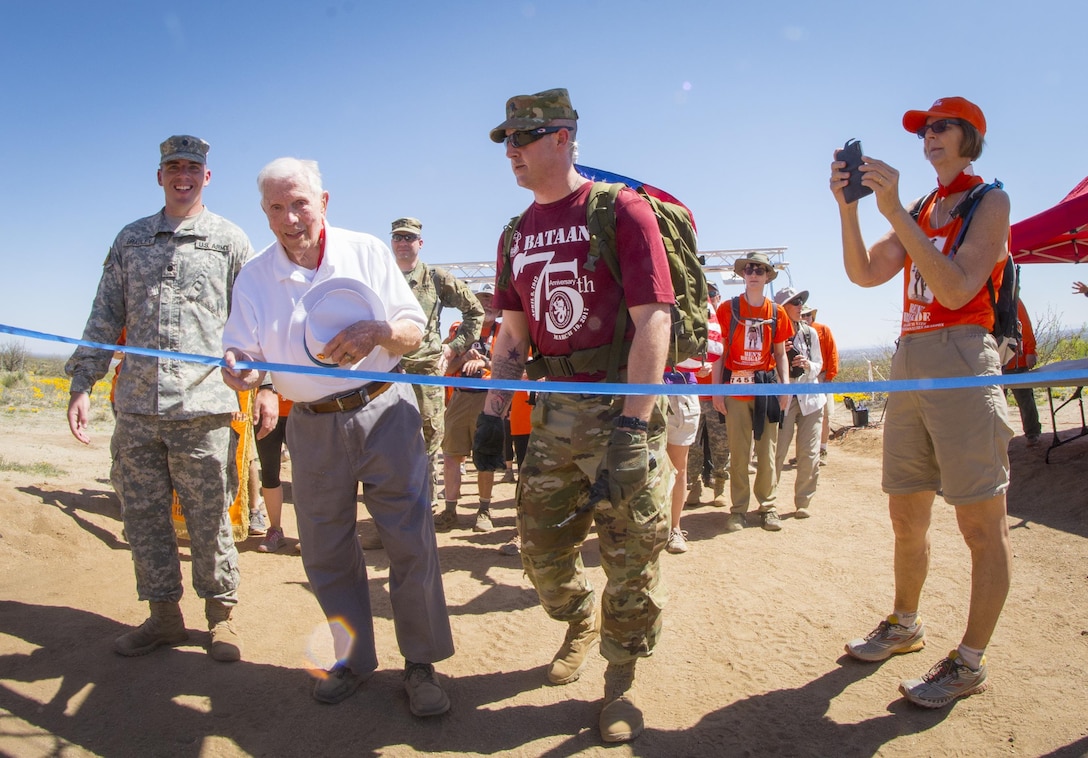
(380, 446)
(156, 456)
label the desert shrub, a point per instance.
(13, 356)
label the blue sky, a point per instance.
(733, 108)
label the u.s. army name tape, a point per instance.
(1070, 378)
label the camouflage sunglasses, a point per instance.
(521, 139)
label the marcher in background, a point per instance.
(955, 440)
(683, 423)
(804, 412)
(830, 353)
(269, 451)
(464, 407)
(344, 432)
(581, 441)
(715, 453)
(167, 281)
(1025, 360)
(754, 353)
(435, 288)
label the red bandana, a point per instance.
(961, 183)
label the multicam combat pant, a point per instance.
(714, 425)
(155, 457)
(568, 439)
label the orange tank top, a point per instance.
(921, 310)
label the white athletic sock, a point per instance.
(970, 656)
(909, 620)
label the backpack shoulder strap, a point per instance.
(917, 206)
(505, 273)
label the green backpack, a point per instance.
(688, 336)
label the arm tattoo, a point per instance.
(509, 366)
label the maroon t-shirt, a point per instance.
(568, 307)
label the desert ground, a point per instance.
(751, 661)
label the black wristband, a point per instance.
(632, 422)
(268, 386)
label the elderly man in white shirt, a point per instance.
(323, 296)
(804, 411)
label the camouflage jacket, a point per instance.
(170, 290)
(436, 288)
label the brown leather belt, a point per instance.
(350, 401)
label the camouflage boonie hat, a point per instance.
(408, 224)
(184, 147)
(525, 112)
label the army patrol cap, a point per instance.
(184, 147)
(524, 112)
(408, 224)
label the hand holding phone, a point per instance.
(851, 154)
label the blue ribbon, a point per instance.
(1069, 378)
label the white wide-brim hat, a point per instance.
(331, 306)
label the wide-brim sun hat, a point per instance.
(787, 294)
(760, 258)
(331, 306)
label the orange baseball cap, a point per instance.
(947, 107)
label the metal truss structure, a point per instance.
(714, 262)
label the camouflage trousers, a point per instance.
(712, 424)
(568, 439)
(195, 457)
(431, 399)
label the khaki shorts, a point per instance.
(955, 440)
(683, 419)
(461, 414)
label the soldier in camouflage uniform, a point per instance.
(435, 289)
(592, 459)
(167, 281)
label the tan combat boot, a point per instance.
(719, 491)
(695, 494)
(226, 645)
(621, 719)
(165, 626)
(568, 663)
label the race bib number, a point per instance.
(743, 377)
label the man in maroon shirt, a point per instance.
(611, 443)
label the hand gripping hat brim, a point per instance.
(524, 112)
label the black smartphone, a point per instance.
(851, 153)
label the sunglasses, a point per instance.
(521, 139)
(754, 268)
(938, 127)
(405, 237)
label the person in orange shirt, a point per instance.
(830, 353)
(269, 451)
(1025, 360)
(955, 439)
(754, 353)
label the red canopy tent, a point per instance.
(1058, 234)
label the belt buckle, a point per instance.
(362, 396)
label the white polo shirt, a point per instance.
(267, 317)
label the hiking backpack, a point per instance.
(1006, 332)
(688, 335)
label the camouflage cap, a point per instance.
(186, 147)
(408, 224)
(533, 111)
